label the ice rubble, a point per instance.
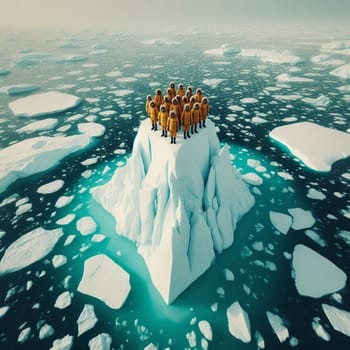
(28, 249)
(238, 322)
(315, 275)
(272, 56)
(342, 71)
(339, 319)
(36, 154)
(105, 280)
(316, 146)
(180, 203)
(45, 103)
(223, 50)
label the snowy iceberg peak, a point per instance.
(180, 203)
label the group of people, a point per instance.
(178, 108)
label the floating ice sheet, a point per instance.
(238, 322)
(339, 319)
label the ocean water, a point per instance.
(260, 257)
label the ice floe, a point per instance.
(92, 129)
(31, 58)
(342, 71)
(44, 103)
(238, 322)
(35, 155)
(87, 319)
(46, 331)
(205, 328)
(180, 225)
(248, 100)
(39, 125)
(327, 60)
(160, 42)
(278, 326)
(102, 341)
(320, 101)
(287, 78)
(319, 329)
(252, 179)
(64, 343)
(71, 59)
(51, 187)
(63, 300)
(18, 89)
(59, 260)
(301, 218)
(315, 275)
(223, 50)
(282, 222)
(3, 311)
(63, 201)
(336, 45)
(28, 249)
(272, 56)
(24, 335)
(213, 82)
(339, 319)
(315, 194)
(316, 146)
(4, 72)
(105, 280)
(86, 225)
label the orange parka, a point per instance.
(153, 113)
(196, 116)
(163, 119)
(158, 99)
(204, 110)
(186, 119)
(172, 126)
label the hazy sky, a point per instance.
(165, 15)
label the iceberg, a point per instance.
(318, 147)
(35, 155)
(342, 71)
(315, 275)
(45, 103)
(105, 280)
(28, 249)
(179, 203)
(339, 319)
(238, 322)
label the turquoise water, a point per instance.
(259, 256)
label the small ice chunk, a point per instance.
(105, 280)
(282, 222)
(320, 101)
(252, 179)
(92, 129)
(314, 194)
(64, 343)
(205, 328)
(59, 260)
(260, 342)
(100, 342)
(51, 187)
(97, 238)
(86, 225)
(3, 311)
(46, 331)
(66, 220)
(301, 218)
(63, 201)
(315, 276)
(248, 100)
(28, 249)
(213, 82)
(238, 322)
(24, 335)
(278, 326)
(63, 300)
(316, 237)
(339, 319)
(87, 319)
(287, 78)
(319, 329)
(192, 339)
(229, 276)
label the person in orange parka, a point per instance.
(189, 88)
(180, 90)
(153, 113)
(186, 120)
(148, 100)
(184, 102)
(204, 111)
(188, 95)
(172, 90)
(173, 126)
(163, 120)
(199, 95)
(196, 117)
(176, 108)
(192, 101)
(158, 98)
(167, 103)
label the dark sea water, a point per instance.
(259, 257)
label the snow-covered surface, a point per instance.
(238, 322)
(39, 125)
(316, 146)
(282, 222)
(28, 249)
(44, 103)
(92, 129)
(51, 187)
(223, 50)
(18, 89)
(315, 275)
(87, 319)
(105, 280)
(86, 225)
(339, 319)
(179, 215)
(272, 56)
(342, 71)
(278, 326)
(102, 341)
(36, 154)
